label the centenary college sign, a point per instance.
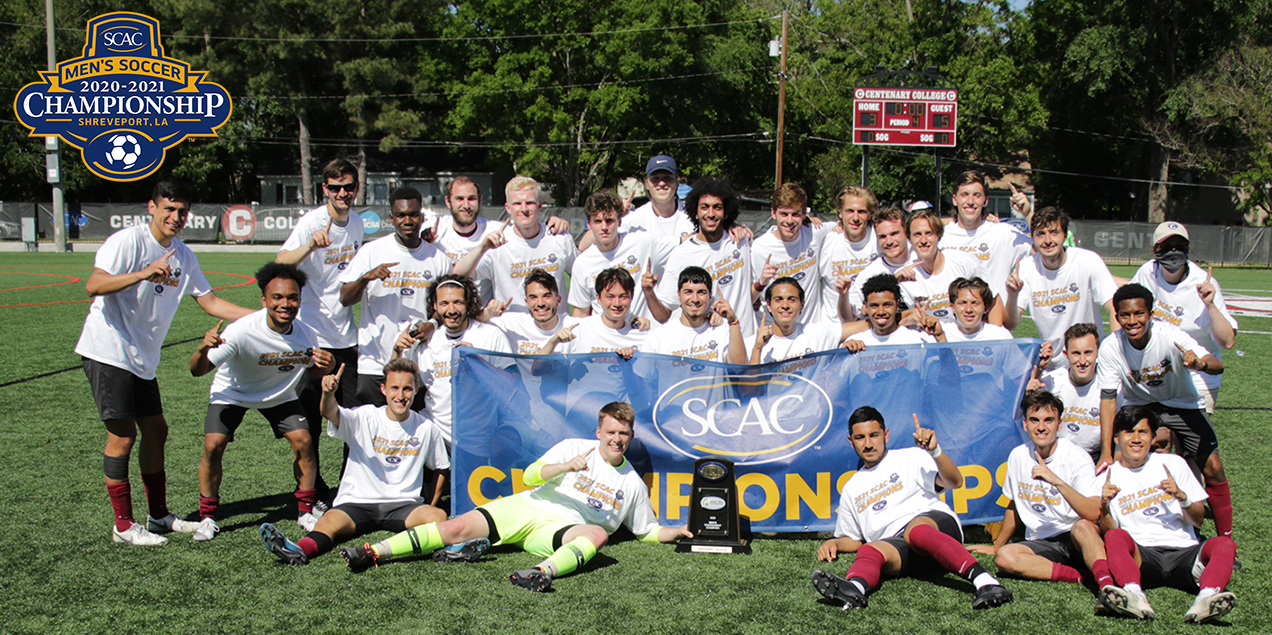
(123, 103)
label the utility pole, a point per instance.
(781, 99)
(53, 171)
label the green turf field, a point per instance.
(62, 574)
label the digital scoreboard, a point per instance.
(905, 116)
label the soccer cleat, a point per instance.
(536, 580)
(320, 508)
(307, 521)
(360, 559)
(1208, 609)
(468, 551)
(833, 587)
(169, 524)
(991, 595)
(278, 544)
(1126, 602)
(137, 535)
(207, 530)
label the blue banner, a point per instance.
(784, 424)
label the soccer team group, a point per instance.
(1119, 471)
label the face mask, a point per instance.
(1172, 261)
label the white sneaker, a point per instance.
(1130, 603)
(307, 521)
(207, 530)
(170, 523)
(1208, 608)
(137, 535)
(320, 508)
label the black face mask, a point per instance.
(1172, 260)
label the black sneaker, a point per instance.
(536, 580)
(991, 595)
(833, 587)
(360, 559)
(469, 551)
(278, 544)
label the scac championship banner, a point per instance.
(785, 425)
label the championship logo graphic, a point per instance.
(123, 103)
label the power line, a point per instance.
(755, 137)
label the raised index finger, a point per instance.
(1210, 272)
(339, 372)
(1168, 475)
(170, 252)
(1013, 187)
(1038, 455)
(505, 225)
(217, 328)
(917, 427)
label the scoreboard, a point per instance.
(905, 116)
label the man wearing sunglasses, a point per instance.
(322, 244)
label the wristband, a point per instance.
(1185, 504)
(936, 453)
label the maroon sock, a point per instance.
(1121, 550)
(1100, 569)
(156, 484)
(315, 543)
(868, 566)
(208, 505)
(1217, 556)
(949, 552)
(1220, 498)
(121, 501)
(1065, 573)
(305, 499)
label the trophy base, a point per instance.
(690, 545)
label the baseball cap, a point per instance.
(661, 162)
(1168, 229)
(918, 205)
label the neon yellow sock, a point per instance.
(569, 557)
(414, 541)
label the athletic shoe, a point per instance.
(1126, 602)
(307, 521)
(207, 530)
(1208, 609)
(169, 524)
(320, 508)
(536, 580)
(833, 587)
(137, 535)
(278, 544)
(469, 551)
(991, 595)
(359, 559)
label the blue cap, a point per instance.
(661, 162)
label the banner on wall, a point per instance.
(784, 424)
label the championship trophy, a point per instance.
(713, 510)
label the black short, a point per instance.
(225, 418)
(1058, 548)
(119, 394)
(1193, 427)
(912, 560)
(378, 516)
(1172, 567)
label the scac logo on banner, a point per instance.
(123, 102)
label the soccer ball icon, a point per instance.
(124, 150)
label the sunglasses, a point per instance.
(338, 187)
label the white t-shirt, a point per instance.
(798, 259)
(1151, 516)
(1072, 294)
(706, 342)
(1179, 305)
(509, 264)
(1154, 375)
(805, 340)
(1080, 422)
(257, 367)
(320, 308)
(986, 333)
(634, 251)
(644, 218)
(936, 286)
(389, 305)
(592, 336)
(841, 257)
(434, 361)
(900, 336)
(1039, 504)
(601, 495)
(525, 337)
(996, 246)
(728, 264)
(126, 329)
(878, 502)
(878, 266)
(386, 457)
